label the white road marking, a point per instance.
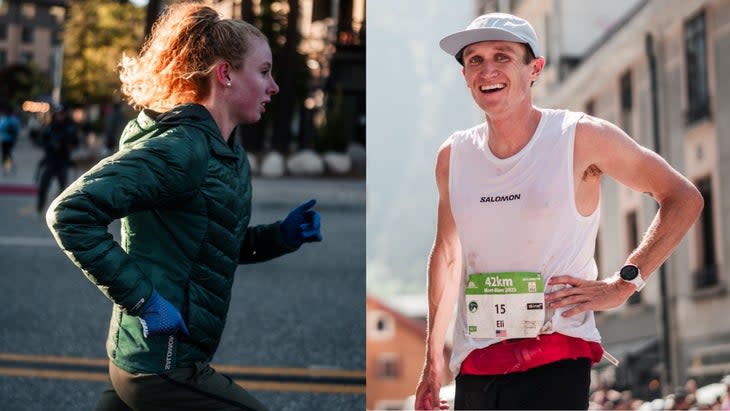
(28, 241)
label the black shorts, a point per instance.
(562, 385)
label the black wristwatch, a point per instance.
(631, 274)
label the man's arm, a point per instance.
(443, 284)
(614, 153)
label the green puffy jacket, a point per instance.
(184, 197)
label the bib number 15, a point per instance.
(504, 305)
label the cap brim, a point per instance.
(453, 43)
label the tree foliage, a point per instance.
(96, 35)
(19, 82)
(289, 71)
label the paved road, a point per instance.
(295, 333)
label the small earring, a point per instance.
(228, 84)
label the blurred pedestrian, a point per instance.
(9, 130)
(598, 398)
(725, 400)
(691, 386)
(625, 401)
(654, 389)
(682, 399)
(57, 139)
(181, 185)
(517, 220)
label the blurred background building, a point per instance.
(395, 352)
(29, 31)
(30, 48)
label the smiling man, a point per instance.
(525, 335)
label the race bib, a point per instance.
(505, 305)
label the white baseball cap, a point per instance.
(492, 26)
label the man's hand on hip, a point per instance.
(587, 295)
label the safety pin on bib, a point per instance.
(610, 358)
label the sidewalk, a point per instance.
(267, 191)
(25, 161)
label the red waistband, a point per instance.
(522, 354)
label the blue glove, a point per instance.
(301, 225)
(159, 317)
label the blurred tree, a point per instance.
(330, 135)
(19, 82)
(247, 11)
(96, 35)
(278, 21)
(153, 11)
(287, 59)
(252, 136)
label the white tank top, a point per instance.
(519, 214)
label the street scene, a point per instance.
(294, 335)
(342, 324)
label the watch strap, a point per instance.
(637, 281)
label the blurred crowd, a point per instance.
(714, 396)
(69, 141)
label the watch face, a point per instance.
(629, 272)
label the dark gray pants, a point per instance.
(46, 175)
(195, 388)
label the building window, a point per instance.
(28, 9)
(695, 44)
(381, 325)
(58, 13)
(627, 101)
(26, 57)
(56, 37)
(632, 241)
(706, 273)
(388, 366)
(3, 31)
(26, 35)
(3, 58)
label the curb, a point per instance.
(18, 189)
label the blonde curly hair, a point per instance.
(175, 62)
